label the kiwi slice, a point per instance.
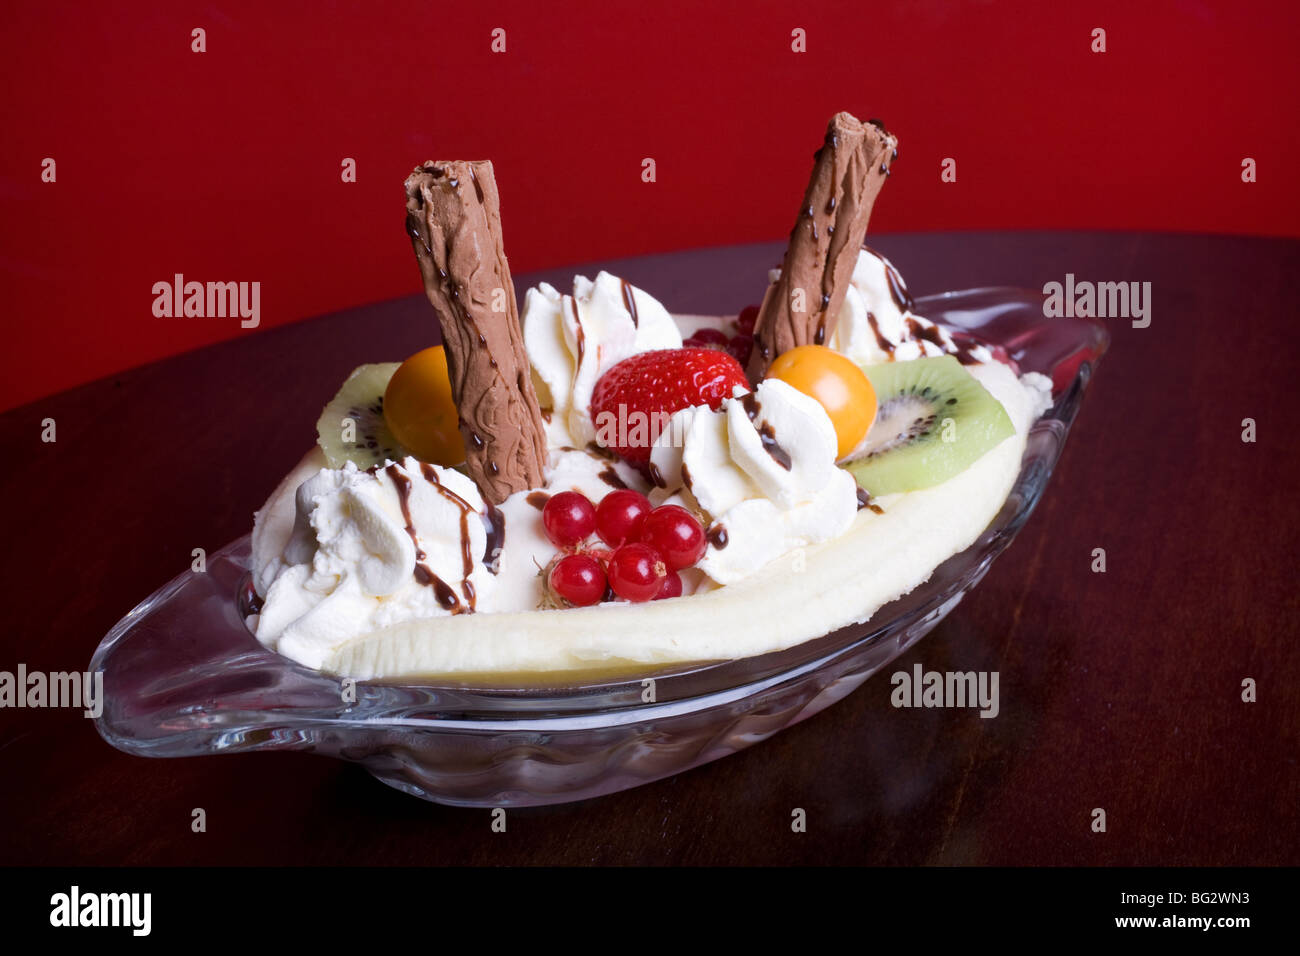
(367, 440)
(933, 420)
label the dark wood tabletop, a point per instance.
(1119, 690)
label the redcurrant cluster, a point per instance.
(645, 547)
(738, 346)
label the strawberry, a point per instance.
(650, 386)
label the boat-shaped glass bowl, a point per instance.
(183, 675)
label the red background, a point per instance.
(225, 165)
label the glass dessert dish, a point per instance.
(183, 675)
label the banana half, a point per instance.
(800, 596)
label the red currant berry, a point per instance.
(675, 534)
(739, 347)
(636, 573)
(568, 519)
(620, 515)
(745, 321)
(578, 579)
(672, 586)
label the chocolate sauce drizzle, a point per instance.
(423, 575)
(965, 348)
(495, 524)
(630, 302)
(897, 288)
(898, 291)
(962, 346)
(929, 334)
(610, 477)
(766, 433)
(884, 343)
(537, 499)
(770, 445)
(466, 509)
(656, 476)
(415, 234)
(577, 324)
(717, 536)
(593, 448)
(864, 501)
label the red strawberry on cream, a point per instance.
(634, 400)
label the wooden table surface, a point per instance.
(1120, 690)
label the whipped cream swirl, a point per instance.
(368, 549)
(877, 324)
(572, 340)
(763, 469)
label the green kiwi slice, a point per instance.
(352, 426)
(933, 420)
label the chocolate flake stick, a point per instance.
(803, 306)
(453, 216)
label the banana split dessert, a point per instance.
(593, 486)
